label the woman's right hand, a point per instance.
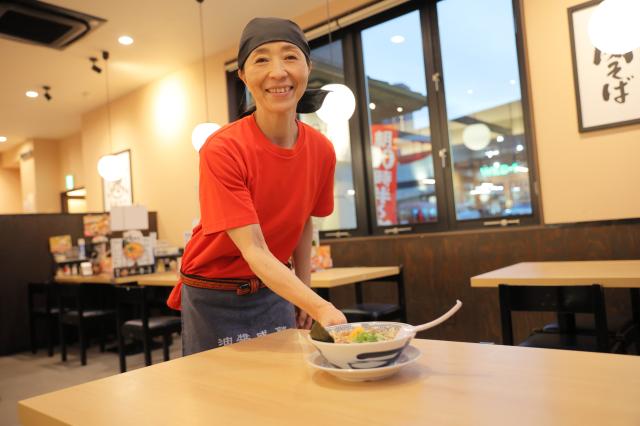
(328, 315)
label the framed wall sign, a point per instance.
(607, 86)
(119, 193)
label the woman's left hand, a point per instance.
(303, 319)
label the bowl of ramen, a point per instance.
(371, 344)
(365, 345)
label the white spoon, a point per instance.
(438, 320)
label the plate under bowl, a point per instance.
(408, 356)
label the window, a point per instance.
(439, 139)
(401, 150)
(328, 68)
(490, 170)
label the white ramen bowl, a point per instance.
(367, 354)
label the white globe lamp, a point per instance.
(476, 136)
(109, 168)
(201, 132)
(339, 104)
(613, 26)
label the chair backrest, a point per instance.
(71, 296)
(584, 299)
(41, 294)
(399, 281)
(132, 295)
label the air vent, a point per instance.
(44, 24)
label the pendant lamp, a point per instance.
(109, 165)
(613, 26)
(202, 131)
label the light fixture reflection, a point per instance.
(201, 132)
(339, 104)
(3, 139)
(31, 94)
(125, 40)
(397, 39)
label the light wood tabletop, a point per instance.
(266, 381)
(333, 277)
(607, 273)
(95, 279)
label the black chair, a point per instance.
(145, 327)
(565, 302)
(42, 308)
(76, 310)
(378, 311)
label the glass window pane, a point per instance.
(400, 131)
(484, 109)
(328, 68)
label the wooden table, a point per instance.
(606, 273)
(326, 279)
(95, 279)
(265, 381)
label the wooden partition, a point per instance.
(438, 267)
(24, 257)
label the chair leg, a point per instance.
(83, 345)
(63, 343)
(146, 342)
(51, 328)
(165, 346)
(121, 354)
(102, 336)
(32, 335)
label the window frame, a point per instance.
(359, 126)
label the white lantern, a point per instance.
(339, 104)
(613, 26)
(201, 132)
(109, 168)
(476, 136)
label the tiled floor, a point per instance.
(25, 375)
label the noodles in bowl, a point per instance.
(364, 333)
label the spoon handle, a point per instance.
(439, 320)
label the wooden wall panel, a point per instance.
(24, 257)
(438, 268)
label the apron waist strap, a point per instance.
(241, 287)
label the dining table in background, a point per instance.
(624, 274)
(266, 381)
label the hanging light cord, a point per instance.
(329, 30)
(106, 83)
(204, 67)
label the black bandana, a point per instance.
(265, 30)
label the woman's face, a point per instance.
(276, 74)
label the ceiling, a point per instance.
(167, 37)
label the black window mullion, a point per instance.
(437, 116)
(526, 115)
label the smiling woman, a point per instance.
(261, 179)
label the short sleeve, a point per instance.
(324, 203)
(225, 199)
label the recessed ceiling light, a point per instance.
(31, 94)
(125, 40)
(3, 138)
(500, 138)
(397, 39)
(372, 106)
(399, 109)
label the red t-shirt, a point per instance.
(246, 179)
